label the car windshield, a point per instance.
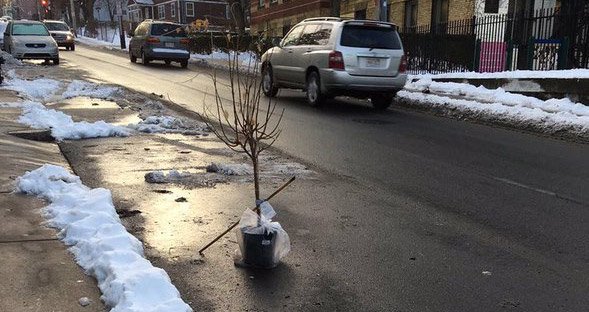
(57, 26)
(29, 30)
(168, 30)
(375, 37)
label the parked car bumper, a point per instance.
(340, 82)
(167, 54)
(65, 43)
(35, 53)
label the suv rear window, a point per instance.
(168, 30)
(360, 36)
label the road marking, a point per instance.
(539, 190)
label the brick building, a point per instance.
(179, 11)
(276, 17)
(424, 12)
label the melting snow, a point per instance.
(169, 124)
(88, 222)
(82, 88)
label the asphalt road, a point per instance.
(497, 219)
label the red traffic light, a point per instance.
(44, 3)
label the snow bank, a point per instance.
(499, 95)
(516, 74)
(231, 169)
(89, 223)
(169, 124)
(81, 88)
(245, 60)
(114, 45)
(37, 89)
(63, 127)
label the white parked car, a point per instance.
(329, 57)
(30, 40)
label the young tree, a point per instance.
(244, 124)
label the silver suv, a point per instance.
(329, 57)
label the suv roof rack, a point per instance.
(328, 19)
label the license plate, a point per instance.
(169, 44)
(372, 62)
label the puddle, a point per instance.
(85, 102)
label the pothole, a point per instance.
(42, 135)
(372, 121)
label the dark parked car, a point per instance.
(154, 40)
(62, 34)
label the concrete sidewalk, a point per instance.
(39, 274)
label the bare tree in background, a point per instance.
(243, 123)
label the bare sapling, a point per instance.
(242, 118)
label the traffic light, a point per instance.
(46, 7)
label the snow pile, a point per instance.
(9, 59)
(89, 223)
(37, 89)
(63, 127)
(169, 124)
(185, 178)
(231, 169)
(499, 95)
(161, 177)
(579, 73)
(245, 60)
(81, 88)
(553, 115)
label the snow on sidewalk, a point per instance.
(552, 115)
(88, 222)
(579, 73)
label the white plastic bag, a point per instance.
(262, 243)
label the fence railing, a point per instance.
(538, 40)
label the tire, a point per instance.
(313, 85)
(144, 59)
(381, 101)
(73, 47)
(56, 61)
(132, 57)
(168, 62)
(184, 63)
(268, 82)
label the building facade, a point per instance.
(180, 11)
(274, 18)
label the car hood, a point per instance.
(33, 39)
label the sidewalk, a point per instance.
(39, 273)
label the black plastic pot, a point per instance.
(258, 249)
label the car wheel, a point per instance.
(381, 101)
(184, 63)
(168, 62)
(144, 59)
(56, 61)
(314, 96)
(132, 57)
(268, 82)
(73, 47)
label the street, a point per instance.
(412, 212)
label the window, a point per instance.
(173, 9)
(316, 34)
(491, 6)
(360, 14)
(293, 37)
(147, 15)
(189, 9)
(370, 37)
(161, 12)
(167, 30)
(410, 13)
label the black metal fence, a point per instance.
(544, 39)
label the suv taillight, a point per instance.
(152, 40)
(336, 60)
(403, 64)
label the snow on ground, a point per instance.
(185, 178)
(9, 59)
(38, 89)
(82, 88)
(113, 45)
(517, 74)
(88, 222)
(170, 124)
(245, 60)
(231, 169)
(62, 125)
(552, 115)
